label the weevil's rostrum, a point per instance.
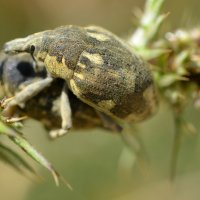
(99, 68)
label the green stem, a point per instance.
(176, 145)
(149, 24)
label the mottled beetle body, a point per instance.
(100, 69)
(18, 71)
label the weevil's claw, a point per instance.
(57, 133)
(16, 119)
(9, 107)
(2, 102)
(5, 101)
(9, 111)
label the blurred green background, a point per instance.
(97, 163)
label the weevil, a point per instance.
(18, 71)
(99, 68)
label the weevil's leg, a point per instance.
(131, 137)
(27, 93)
(109, 123)
(65, 111)
(16, 119)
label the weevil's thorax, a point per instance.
(62, 49)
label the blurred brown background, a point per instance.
(21, 17)
(97, 164)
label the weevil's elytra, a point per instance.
(94, 58)
(100, 69)
(99, 36)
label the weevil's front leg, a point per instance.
(25, 94)
(109, 123)
(66, 116)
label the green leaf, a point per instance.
(16, 158)
(149, 54)
(16, 137)
(149, 24)
(168, 79)
(6, 159)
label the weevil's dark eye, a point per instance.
(32, 49)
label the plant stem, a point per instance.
(149, 24)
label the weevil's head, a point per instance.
(34, 44)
